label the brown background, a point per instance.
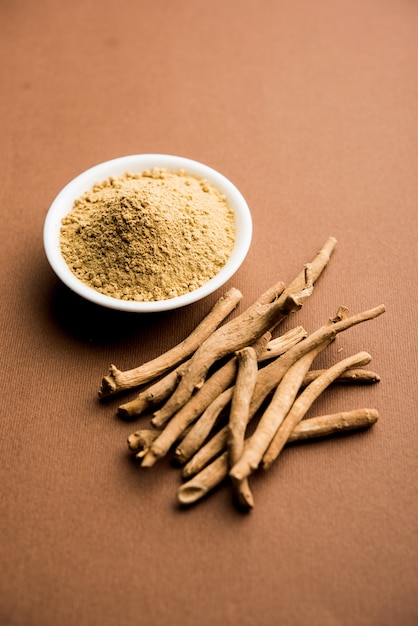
(310, 108)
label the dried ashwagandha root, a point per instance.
(303, 403)
(213, 474)
(238, 419)
(201, 429)
(206, 390)
(352, 375)
(271, 375)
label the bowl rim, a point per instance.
(118, 166)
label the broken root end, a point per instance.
(189, 494)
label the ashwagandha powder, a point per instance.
(148, 236)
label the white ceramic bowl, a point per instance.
(63, 204)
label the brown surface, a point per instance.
(311, 108)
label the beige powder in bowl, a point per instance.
(149, 236)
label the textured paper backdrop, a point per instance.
(310, 108)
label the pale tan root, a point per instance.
(270, 376)
(220, 380)
(325, 425)
(238, 418)
(216, 472)
(153, 395)
(303, 404)
(298, 288)
(172, 429)
(353, 375)
(117, 380)
(280, 404)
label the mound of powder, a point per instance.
(149, 236)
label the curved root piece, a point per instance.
(271, 375)
(153, 395)
(238, 419)
(325, 425)
(354, 375)
(278, 346)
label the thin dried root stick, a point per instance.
(246, 328)
(278, 346)
(172, 430)
(153, 395)
(220, 380)
(324, 425)
(303, 404)
(216, 472)
(275, 413)
(353, 376)
(298, 290)
(238, 418)
(117, 380)
(270, 376)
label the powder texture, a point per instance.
(148, 236)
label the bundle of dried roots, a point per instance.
(204, 392)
